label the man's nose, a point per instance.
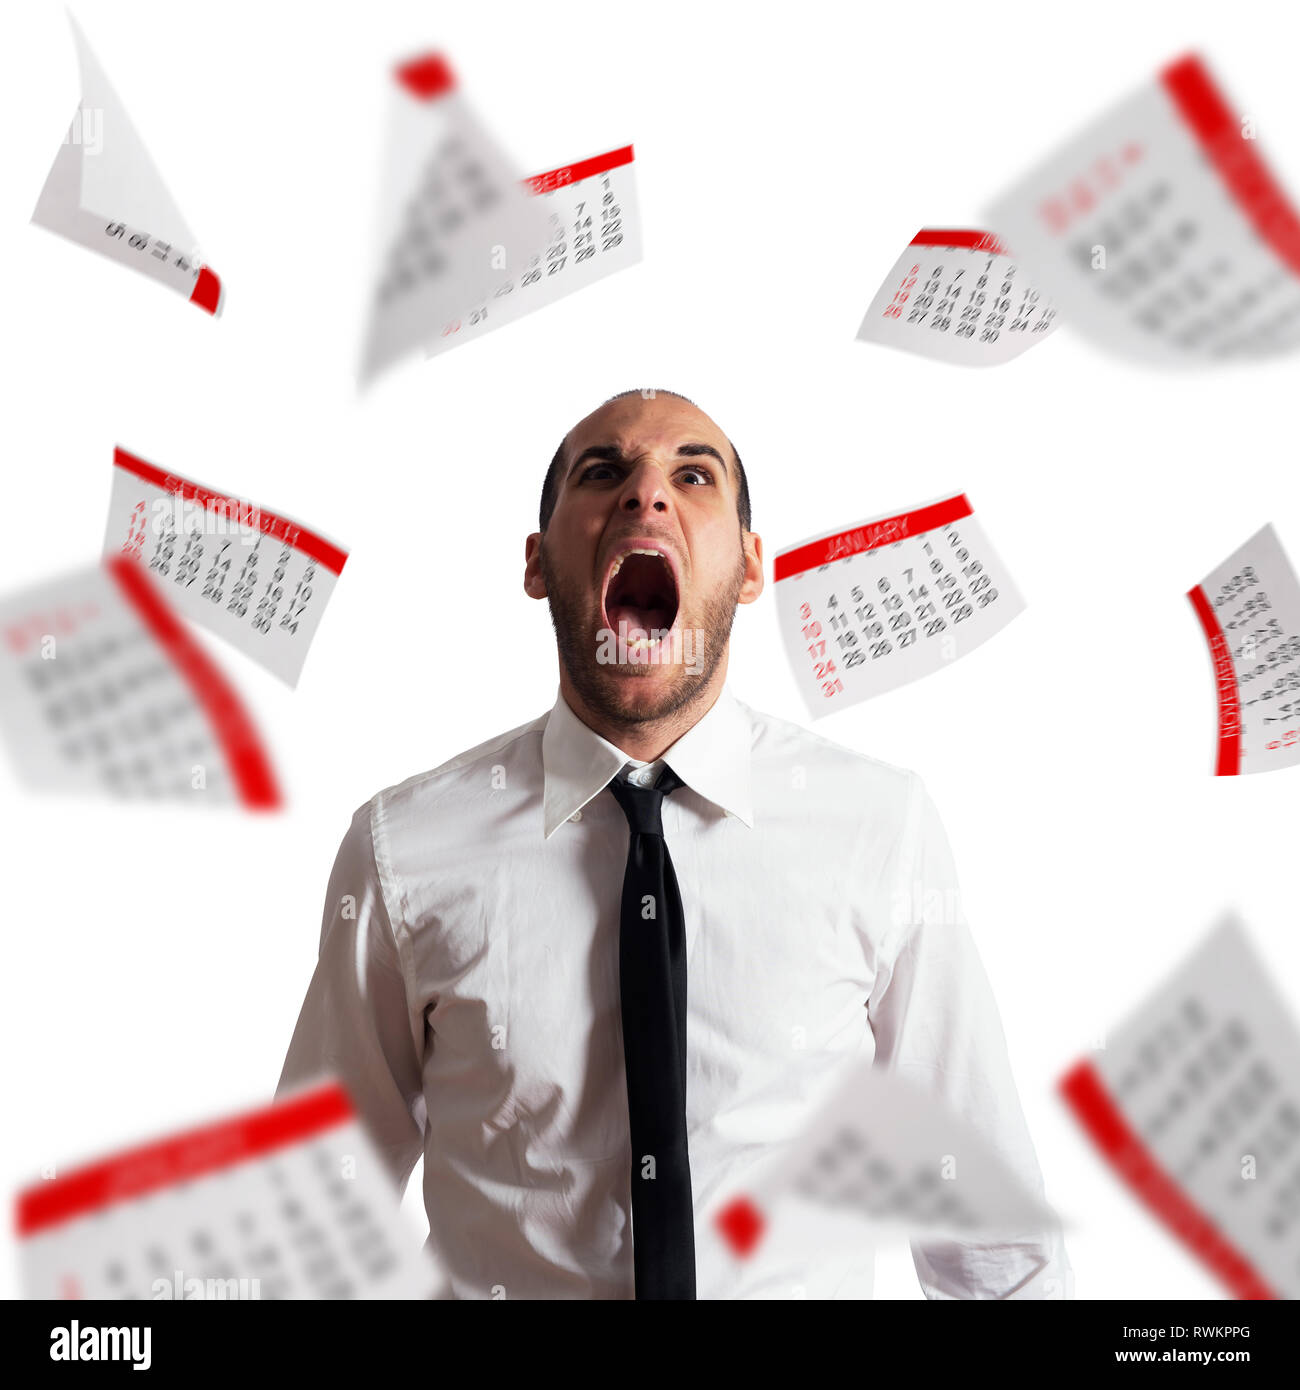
(645, 490)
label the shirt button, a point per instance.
(576, 816)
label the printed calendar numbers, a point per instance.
(291, 1201)
(960, 297)
(1161, 231)
(104, 192)
(873, 1160)
(252, 577)
(1249, 611)
(182, 271)
(1195, 1102)
(866, 610)
(594, 231)
(102, 690)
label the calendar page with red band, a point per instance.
(1161, 231)
(594, 231)
(1194, 1101)
(1249, 613)
(958, 296)
(868, 608)
(104, 689)
(104, 192)
(452, 214)
(291, 1200)
(257, 579)
(877, 1162)
(180, 1158)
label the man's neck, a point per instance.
(646, 740)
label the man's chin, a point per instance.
(639, 691)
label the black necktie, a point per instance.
(652, 985)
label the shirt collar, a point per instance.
(711, 757)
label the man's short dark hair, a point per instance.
(551, 487)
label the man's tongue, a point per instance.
(651, 615)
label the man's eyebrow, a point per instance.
(611, 453)
(694, 451)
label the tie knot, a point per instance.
(643, 806)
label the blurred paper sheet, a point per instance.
(881, 1159)
(453, 215)
(105, 193)
(1195, 1103)
(103, 689)
(1160, 231)
(290, 1201)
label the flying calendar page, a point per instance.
(961, 297)
(1195, 1103)
(881, 1157)
(594, 231)
(102, 689)
(291, 1201)
(453, 215)
(1161, 231)
(1249, 611)
(248, 575)
(868, 609)
(104, 193)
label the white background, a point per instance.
(156, 958)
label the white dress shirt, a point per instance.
(467, 994)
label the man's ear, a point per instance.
(534, 584)
(753, 585)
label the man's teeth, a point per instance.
(618, 564)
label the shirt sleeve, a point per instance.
(356, 1024)
(936, 1024)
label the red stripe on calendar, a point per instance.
(1205, 110)
(871, 535)
(136, 1172)
(427, 77)
(741, 1224)
(237, 511)
(575, 173)
(231, 724)
(1228, 763)
(207, 291)
(1086, 1094)
(976, 241)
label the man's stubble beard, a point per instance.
(577, 642)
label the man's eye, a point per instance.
(701, 473)
(596, 468)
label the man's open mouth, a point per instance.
(640, 590)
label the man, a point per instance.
(598, 968)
